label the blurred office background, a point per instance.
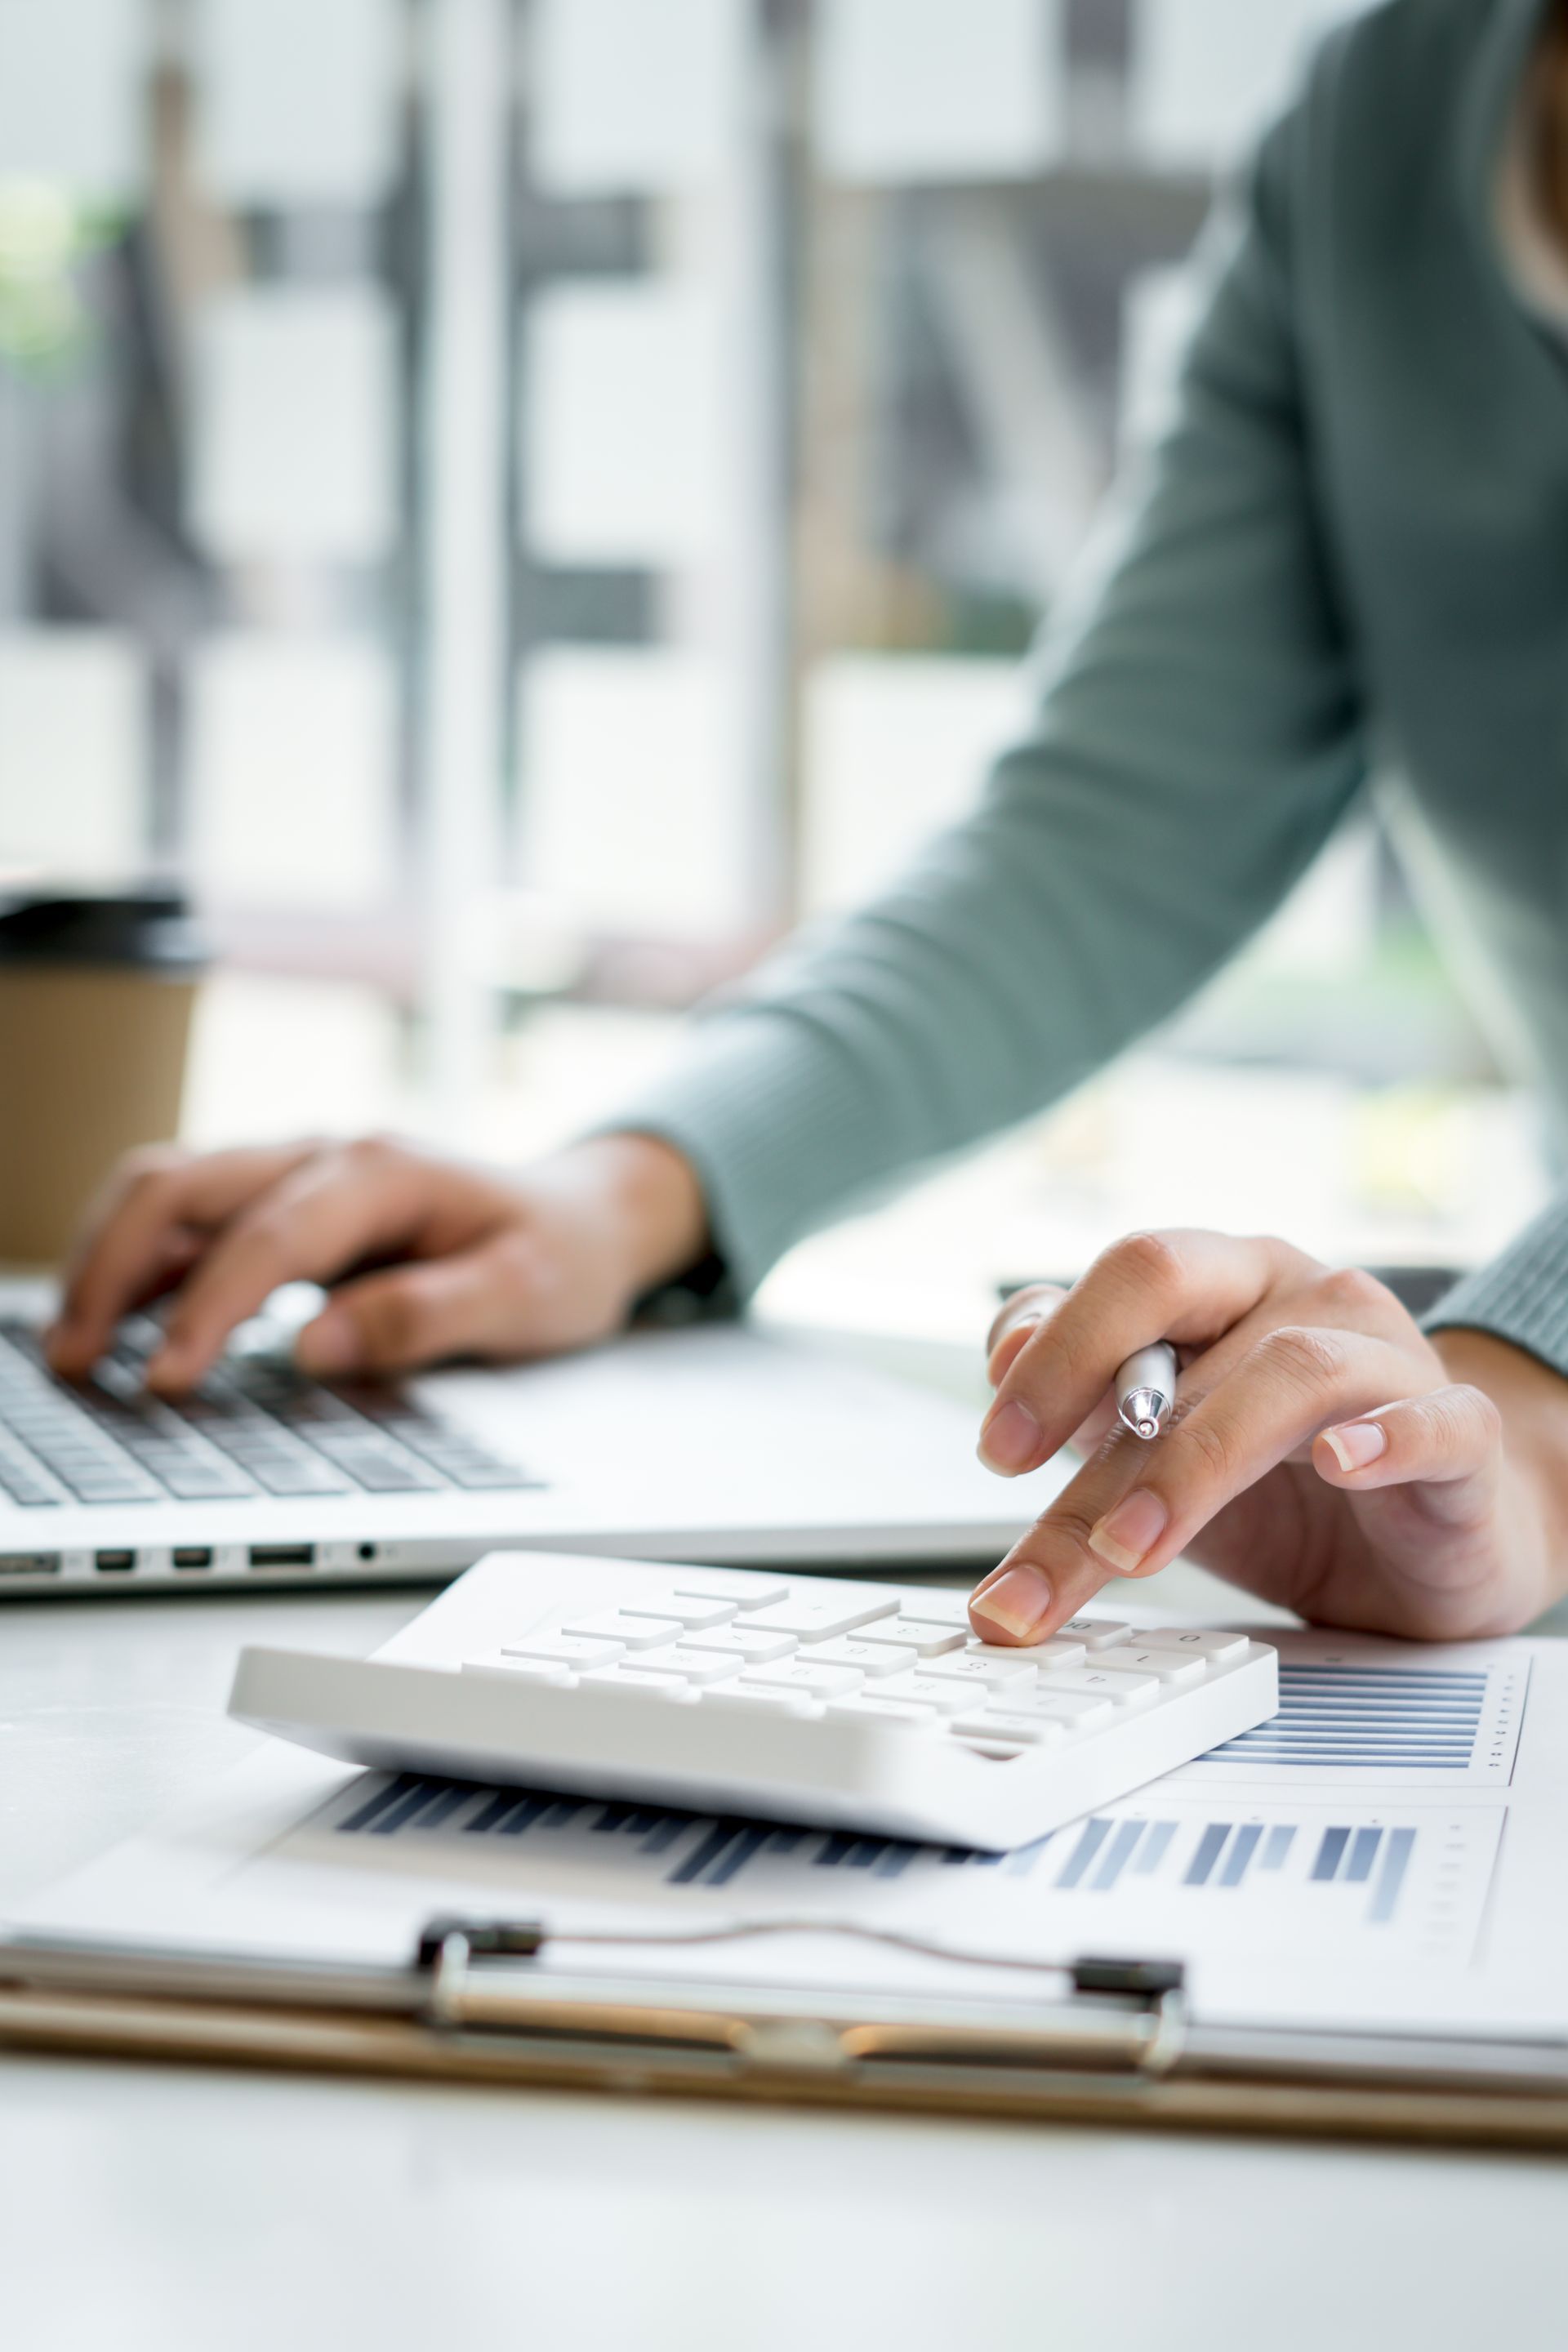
(517, 501)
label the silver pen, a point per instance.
(1146, 1389)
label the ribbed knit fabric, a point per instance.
(1522, 1296)
(1355, 533)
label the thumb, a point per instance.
(470, 1304)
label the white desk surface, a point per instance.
(143, 2207)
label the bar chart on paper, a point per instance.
(1380, 1715)
(1358, 1830)
(1277, 1879)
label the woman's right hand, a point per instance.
(423, 1259)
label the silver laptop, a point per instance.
(717, 1442)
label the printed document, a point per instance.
(1391, 1850)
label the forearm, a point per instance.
(1504, 1329)
(1532, 1400)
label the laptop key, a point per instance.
(24, 1486)
(193, 1482)
(393, 1478)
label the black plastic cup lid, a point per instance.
(149, 930)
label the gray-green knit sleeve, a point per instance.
(1198, 736)
(1522, 1296)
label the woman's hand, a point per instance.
(427, 1258)
(1323, 1452)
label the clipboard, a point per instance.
(1117, 2046)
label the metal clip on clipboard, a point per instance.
(1135, 2022)
(470, 2006)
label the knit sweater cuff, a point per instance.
(1522, 1296)
(776, 1124)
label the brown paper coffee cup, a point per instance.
(95, 1019)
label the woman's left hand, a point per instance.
(1323, 1452)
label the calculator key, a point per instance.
(936, 1607)
(873, 1657)
(811, 1681)
(575, 1649)
(521, 1669)
(747, 1593)
(1080, 1710)
(752, 1701)
(741, 1641)
(686, 1665)
(942, 1698)
(1033, 1730)
(682, 1609)
(820, 1616)
(629, 1678)
(1095, 1632)
(1175, 1668)
(865, 1706)
(1219, 1649)
(991, 1669)
(1039, 1654)
(910, 1634)
(615, 1625)
(1121, 1690)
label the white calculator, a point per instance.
(799, 1698)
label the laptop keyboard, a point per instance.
(254, 1427)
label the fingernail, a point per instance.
(1127, 1534)
(1016, 1601)
(1010, 1437)
(1357, 1443)
(330, 1344)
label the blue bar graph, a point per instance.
(1396, 1862)
(1116, 1854)
(735, 1857)
(1240, 1853)
(381, 1802)
(1363, 1846)
(705, 1853)
(1091, 1838)
(1151, 1853)
(1412, 1718)
(387, 1824)
(1208, 1854)
(520, 1818)
(1097, 1856)
(1330, 1853)
(1277, 1845)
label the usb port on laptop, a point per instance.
(192, 1555)
(114, 1563)
(282, 1555)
